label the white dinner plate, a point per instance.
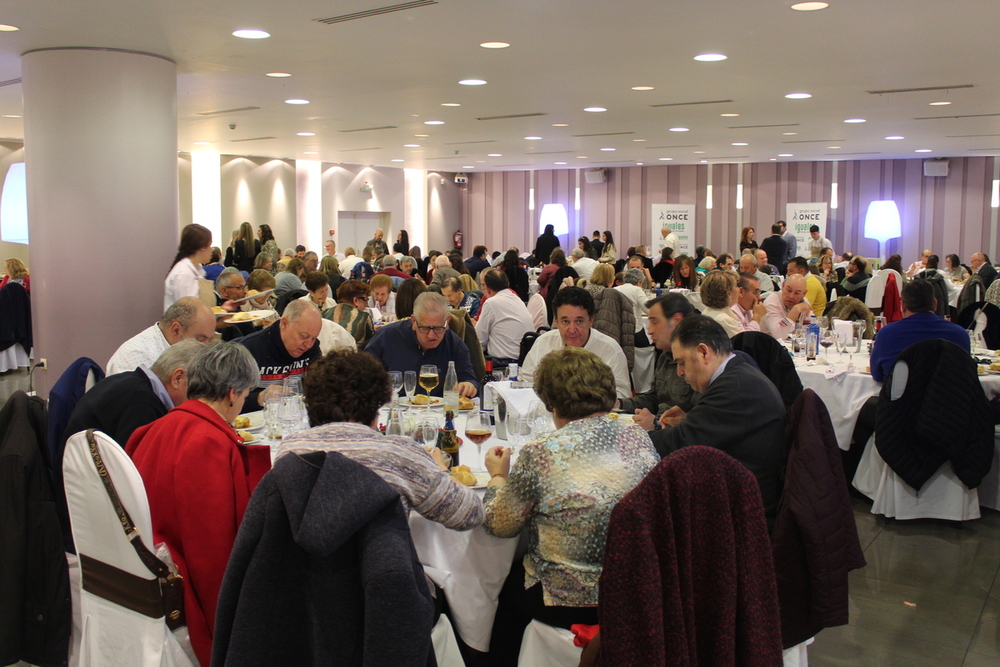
(256, 421)
(255, 296)
(435, 403)
(251, 316)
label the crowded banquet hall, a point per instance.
(495, 334)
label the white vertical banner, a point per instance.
(800, 217)
(676, 218)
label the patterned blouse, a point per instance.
(357, 322)
(563, 488)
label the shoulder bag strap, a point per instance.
(148, 558)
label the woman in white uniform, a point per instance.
(194, 250)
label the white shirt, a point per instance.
(142, 349)
(669, 241)
(327, 305)
(332, 336)
(503, 321)
(638, 297)
(390, 304)
(584, 267)
(816, 245)
(776, 322)
(347, 265)
(604, 346)
(182, 281)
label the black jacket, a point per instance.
(35, 614)
(918, 432)
(15, 325)
(773, 361)
(323, 572)
(273, 361)
(991, 334)
(775, 247)
(989, 274)
(544, 246)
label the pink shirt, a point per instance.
(745, 318)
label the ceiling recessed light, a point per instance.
(699, 152)
(702, 160)
(833, 147)
(296, 100)
(665, 159)
(306, 134)
(785, 155)
(855, 120)
(922, 150)
(607, 149)
(472, 82)
(678, 129)
(710, 57)
(595, 109)
(421, 135)
(773, 159)
(494, 45)
(10, 115)
(532, 138)
(278, 75)
(581, 157)
(789, 134)
(310, 153)
(729, 115)
(397, 160)
(895, 137)
(8, 28)
(480, 161)
(411, 145)
(203, 143)
(798, 96)
(642, 88)
(450, 104)
(433, 122)
(251, 34)
(560, 124)
(740, 143)
(638, 140)
(638, 164)
(560, 163)
(469, 166)
(939, 104)
(494, 155)
(809, 6)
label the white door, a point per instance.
(356, 228)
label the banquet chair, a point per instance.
(287, 298)
(773, 361)
(132, 629)
(544, 645)
(876, 288)
(15, 327)
(537, 310)
(929, 455)
(527, 342)
(982, 318)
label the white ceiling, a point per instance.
(396, 69)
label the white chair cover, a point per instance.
(644, 368)
(112, 634)
(546, 646)
(445, 645)
(798, 655)
(876, 287)
(989, 490)
(537, 310)
(14, 357)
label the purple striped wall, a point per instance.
(950, 214)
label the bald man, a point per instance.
(786, 307)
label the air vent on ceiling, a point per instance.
(376, 12)
(465, 143)
(370, 129)
(216, 113)
(237, 141)
(352, 150)
(513, 115)
(688, 104)
(918, 90)
(603, 134)
(10, 82)
(813, 141)
(751, 127)
(968, 115)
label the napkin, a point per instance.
(518, 400)
(836, 370)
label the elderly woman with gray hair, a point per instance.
(562, 490)
(199, 476)
(631, 287)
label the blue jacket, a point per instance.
(396, 346)
(896, 337)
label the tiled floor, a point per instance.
(930, 594)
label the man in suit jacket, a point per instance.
(751, 431)
(775, 247)
(980, 263)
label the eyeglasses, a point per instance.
(242, 287)
(757, 292)
(435, 330)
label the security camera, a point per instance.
(461, 179)
(232, 126)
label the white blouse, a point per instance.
(182, 281)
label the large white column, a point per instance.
(100, 138)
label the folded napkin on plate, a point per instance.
(518, 400)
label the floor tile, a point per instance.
(986, 641)
(851, 646)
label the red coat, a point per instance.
(198, 477)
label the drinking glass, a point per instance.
(859, 332)
(428, 379)
(409, 385)
(293, 385)
(396, 378)
(478, 429)
(272, 417)
(828, 340)
(518, 431)
(290, 415)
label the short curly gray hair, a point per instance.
(218, 368)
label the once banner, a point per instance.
(800, 217)
(677, 219)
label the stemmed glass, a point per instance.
(429, 380)
(478, 429)
(272, 417)
(293, 385)
(828, 340)
(409, 385)
(518, 431)
(396, 378)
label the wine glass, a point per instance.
(478, 429)
(827, 340)
(518, 431)
(409, 385)
(293, 385)
(396, 378)
(429, 379)
(272, 417)
(290, 414)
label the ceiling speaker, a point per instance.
(936, 167)
(595, 175)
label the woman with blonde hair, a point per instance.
(330, 265)
(245, 248)
(291, 278)
(16, 272)
(719, 292)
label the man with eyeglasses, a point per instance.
(748, 309)
(425, 339)
(229, 286)
(786, 308)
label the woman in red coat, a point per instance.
(199, 477)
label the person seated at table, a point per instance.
(408, 265)
(630, 287)
(748, 264)
(284, 349)
(762, 263)
(740, 410)
(351, 311)
(895, 262)
(574, 320)
(199, 477)
(954, 269)
(664, 269)
(318, 285)
(443, 269)
(230, 286)
(187, 318)
(406, 295)
(669, 389)
(583, 265)
(389, 268)
(718, 292)
(856, 279)
(478, 261)
(264, 261)
(451, 289)
(919, 265)
(330, 265)
(749, 310)
(613, 311)
(562, 490)
(343, 392)
(815, 289)
(213, 268)
(705, 265)
(639, 262)
(685, 273)
(425, 339)
(919, 322)
(503, 319)
(786, 308)
(290, 279)
(382, 297)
